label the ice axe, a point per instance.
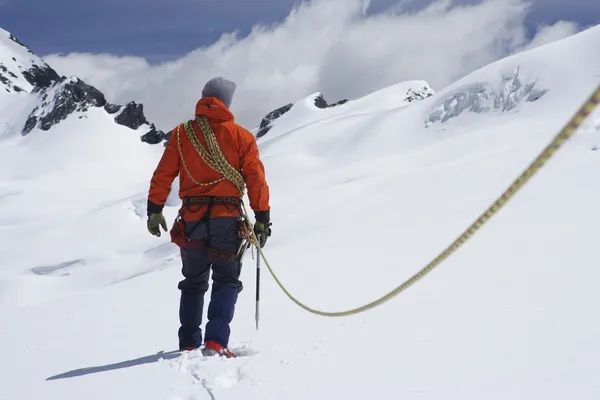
(256, 314)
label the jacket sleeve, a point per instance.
(164, 174)
(253, 172)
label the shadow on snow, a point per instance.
(120, 365)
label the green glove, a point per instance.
(262, 232)
(154, 221)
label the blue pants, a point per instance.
(221, 234)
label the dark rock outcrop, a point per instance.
(267, 121)
(68, 97)
(6, 78)
(60, 97)
(154, 136)
(30, 124)
(112, 108)
(41, 77)
(321, 103)
(416, 95)
(17, 41)
(132, 116)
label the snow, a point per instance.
(15, 105)
(14, 110)
(16, 59)
(362, 198)
(305, 112)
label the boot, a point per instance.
(214, 348)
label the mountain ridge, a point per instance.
(55, 97)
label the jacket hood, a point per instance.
(214, 109)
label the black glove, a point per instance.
(262, 227)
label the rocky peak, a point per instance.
(21, 71)
(321, 103)
(267, 122)
(41, 77)
(75, 96)
(419, 94)
(154, 136)
(17, 41)
(132, 116)
(60, 101)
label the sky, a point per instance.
(160, 53)
(161, 30)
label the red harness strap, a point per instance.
(181, 239)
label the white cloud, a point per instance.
(331, 46)
(551, 33)
(109, 73)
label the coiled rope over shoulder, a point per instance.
(216, 160)
(213, 157)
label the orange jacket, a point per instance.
(239, 147)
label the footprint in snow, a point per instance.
(215, 372)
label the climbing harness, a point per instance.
(215, 159)
(184, 239)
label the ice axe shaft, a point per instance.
(256, 314)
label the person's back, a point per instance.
(238, 146)
(198, 151)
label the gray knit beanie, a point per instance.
(220, 88)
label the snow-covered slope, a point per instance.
(315, 108)
(20, 69)
(364, 194)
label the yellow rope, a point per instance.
(200, 148)
(213, 157)
(216, 160)
(566, 133)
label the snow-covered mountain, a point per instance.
(34, 96)
(392, 97)
(20, 69)
(364, 194)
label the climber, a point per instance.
(209, 221)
